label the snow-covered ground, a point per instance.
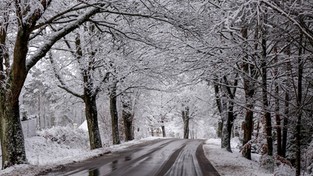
(233, 164)
(230, 164)
(56, 147)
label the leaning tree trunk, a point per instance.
(114, 115)
(12, 139)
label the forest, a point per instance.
(172, 68)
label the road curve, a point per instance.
(169, 157)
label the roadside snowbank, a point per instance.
(230, 164)
(58, 146)
(233, 164)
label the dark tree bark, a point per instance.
(218, 102)
(299, 108)
(230, 116)
(286, 110)
(128, 117)
(89, 98)
(185, 117)
(92, 121)
(278, 124)
(229, 125)
(265, 103)
(114, 115)
(277, 108)
(12, 139)
(128, 126)
(163, 129)
(250, 74)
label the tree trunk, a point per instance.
(286, 120)
(278, 129)
(224, 118)
(128, 117)
(185, 116)
(248, 129)
(92, 121)
(128, 123)
(186, 129)
(12, 139)
(228, 107)
(267, 115)
(220, 124)
(277, 113)
(219, 107)
(224, 115)
(114, 115)
(285, 125)
(89, 98)
(228, 128)
(299, 108)
(163, 129)
(249, 89)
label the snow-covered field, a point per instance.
(56, 147)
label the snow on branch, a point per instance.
(63, 85)
(42, 51)
(281, 11)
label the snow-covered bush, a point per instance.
(59, 145)
(283, 167)
(284, 170)
(73, 138)
(267, 162)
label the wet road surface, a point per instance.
(170, 157)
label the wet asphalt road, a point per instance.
(170, 157)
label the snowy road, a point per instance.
(172, 157)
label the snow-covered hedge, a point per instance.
(73, 138)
